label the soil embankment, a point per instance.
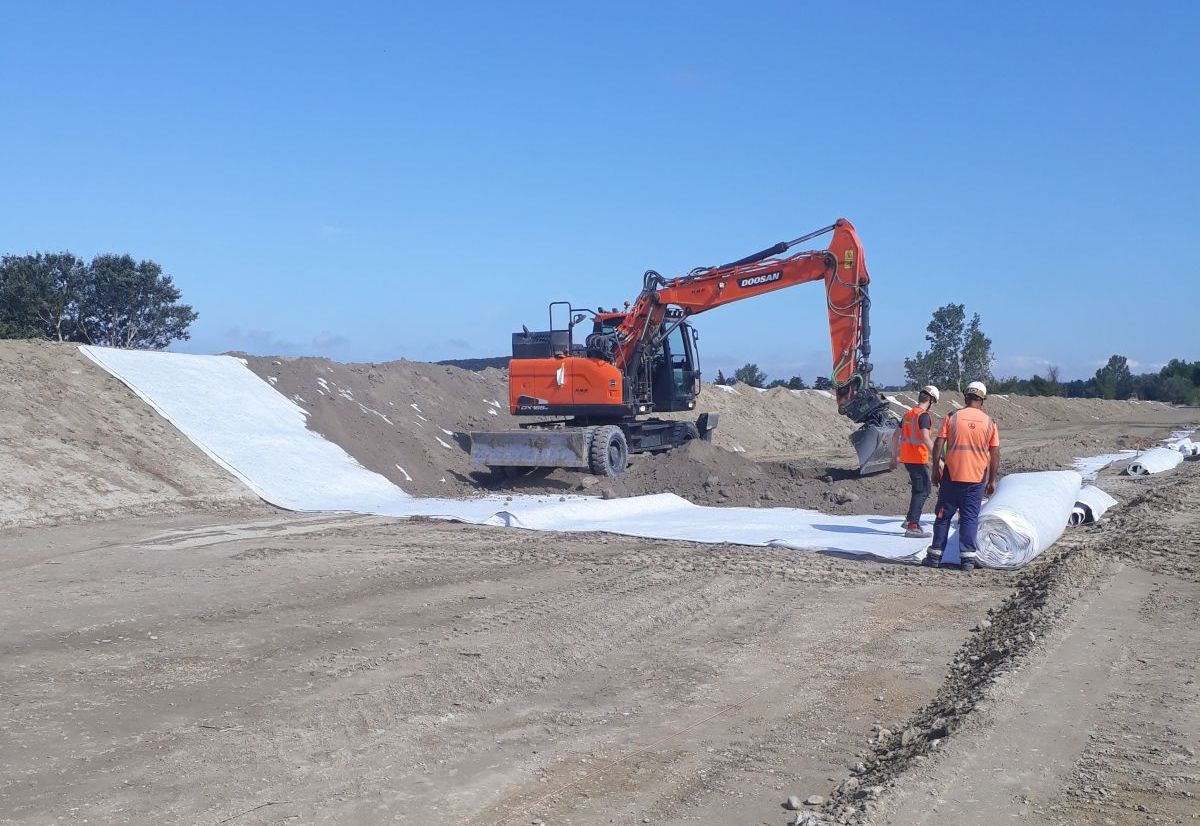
(75, 443)
(411, 422)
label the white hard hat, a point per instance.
(977, 388)
(932, 391)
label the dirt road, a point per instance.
(1078, 702)
(320, 669)
(356, 670)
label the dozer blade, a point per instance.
(873, 443)
(530, 448)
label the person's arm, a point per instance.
(937, 460)
(993, 470)
(895, 448)
(926, 425)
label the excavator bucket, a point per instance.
(873, 443)
(530, 448)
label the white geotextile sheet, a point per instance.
(1027, 514)
(1155, 460)
(1090, 466)
(260, 436)
(1091, 504)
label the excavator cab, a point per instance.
(675, 374)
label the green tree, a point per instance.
(750, 374)
(720, 379)
(822, 383)
(796, 383)
(1048, 386)
(39, 295)
(113, 301)
(127, 303)
(1113, 380)
(976, 354)
(959, 352)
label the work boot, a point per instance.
(932, 558)
(913, 531)
(966, 566)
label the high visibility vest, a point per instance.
(912, 446)
(969, 434)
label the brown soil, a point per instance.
(255, 667)
(772, 448)
(75, 443)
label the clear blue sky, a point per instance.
(372, 181)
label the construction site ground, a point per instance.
(173, 650)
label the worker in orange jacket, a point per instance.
(970, 442)
(911, 444)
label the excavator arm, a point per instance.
(842, 266)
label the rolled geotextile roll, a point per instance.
(1184, 446)
(1027, 514)
(1155, 460)
(1090, 505)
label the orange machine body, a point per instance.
(576, 383)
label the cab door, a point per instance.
(677, 372)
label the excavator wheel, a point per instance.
(609, 452)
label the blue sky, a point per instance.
(372, 181)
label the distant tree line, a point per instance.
(478, 364)
(1178, 382)
(959, 352)
(111, 300)
(751, 376)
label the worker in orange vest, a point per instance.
(970, 442)
(911, 444)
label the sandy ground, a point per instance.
(76, 444)
(359, 670)
(334, 670)
(220, 662)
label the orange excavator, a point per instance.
(594, 398)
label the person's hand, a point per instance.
(937, 476)
(990, 488)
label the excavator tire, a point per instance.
(609, 452)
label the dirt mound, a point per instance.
(406, 420)
(411, 422)
(82, 443)
(709, 475)
(76, 443)
(776, 423)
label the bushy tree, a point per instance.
(39, 295)
(822, 383)
(958, 353)
(976, 354)
(1048, 386)
(720, 379)
(750, 374)
(1114, 380)
(113, 301)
